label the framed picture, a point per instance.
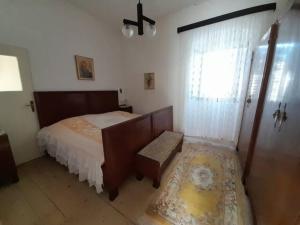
(85, 68)
(149, 81)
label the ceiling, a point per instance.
(113, 11)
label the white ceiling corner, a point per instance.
(114, 11)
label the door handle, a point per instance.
(249, 100)
(283, 117)
(277, 115)
(31, 105)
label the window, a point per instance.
(10, 79)
(214, 65)
(258, 58)
(215, 74)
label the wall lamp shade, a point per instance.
(127, 31)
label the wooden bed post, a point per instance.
(113, 194)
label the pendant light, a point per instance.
(127, 31)
(150, 30)
(127, 28)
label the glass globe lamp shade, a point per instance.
(150, 30)
(127, 31)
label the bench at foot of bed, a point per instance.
(152, 160)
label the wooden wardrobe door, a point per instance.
(256, 74)
(274, 180)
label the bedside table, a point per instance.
(125, 108)
(8, 170)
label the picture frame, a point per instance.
(84, 68)
(149, 81)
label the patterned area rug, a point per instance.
(203, 188)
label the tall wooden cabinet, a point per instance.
(273, 181)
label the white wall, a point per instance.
(54, 31)
(160, 55)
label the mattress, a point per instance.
(77, 143)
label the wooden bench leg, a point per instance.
(113, 194)
(180, 146)
(139, 176)
(156, 183)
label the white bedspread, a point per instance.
(77, 143)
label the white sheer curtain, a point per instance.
(215, 62)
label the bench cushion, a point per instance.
(161, 147)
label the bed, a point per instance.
(85, 131)
(76, 142)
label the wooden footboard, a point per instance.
(162, 120)
(122, 141)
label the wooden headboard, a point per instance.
(53, 106)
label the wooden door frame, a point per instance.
(261, 99)
(245, 99)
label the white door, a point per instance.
(17, 118)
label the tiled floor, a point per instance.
(48, 195)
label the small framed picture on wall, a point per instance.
(84, 68)
(149, 81)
